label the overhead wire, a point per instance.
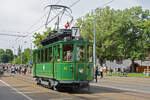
(107, 3)
(28, 33)
(74, 3)
(34, 25)
(4, 34)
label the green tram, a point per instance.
(64, 61)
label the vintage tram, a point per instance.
(64, 60)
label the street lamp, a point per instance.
(94, 46)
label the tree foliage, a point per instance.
(38, 37)
(26, 57)
(120, 34)
(6, 55)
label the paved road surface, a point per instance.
(27, 86)
(8, 93)
(125, 83)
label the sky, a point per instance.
(24, 17)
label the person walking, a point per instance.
(96, 73)
(12, 70)
(101, 71)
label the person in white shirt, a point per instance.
(101, 71)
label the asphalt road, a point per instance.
(24, 88)
(125, 83)
(9, 93)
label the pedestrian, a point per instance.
(25, 70)
(111, 70)
(19, 69)
(12, 70)
(96, 73)
(22, 71)
(101, 71)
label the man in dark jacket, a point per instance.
(96, 73)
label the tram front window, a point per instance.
(67, 52)
(80, 53)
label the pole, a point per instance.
(31, 52)
(21, 54)
(58, 23)
(94, 46)
(14, 57)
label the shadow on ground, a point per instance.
(92, 90)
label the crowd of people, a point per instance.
(101, 68)
(16, 69)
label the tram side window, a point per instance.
(39, 56)
(58, 53)
(80, 53)
(67, 52)
(42, 55)
(90, 53)
(50, 53)
(46, 55)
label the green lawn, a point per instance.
(128, 75)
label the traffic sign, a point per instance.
(31, 62)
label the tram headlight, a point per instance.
(81, 70)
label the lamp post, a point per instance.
(31, 53)
(21, 54)
(94, 46)
(14, 56)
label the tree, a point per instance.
(26, 56)
(106, 32)
(6, 56)
(1, 54)
(38, 37)
(10, 55)
(133, 39)
(120, 34)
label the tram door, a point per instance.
(80, 62)
(68, 62)
(55, 60)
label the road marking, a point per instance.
(16, 90)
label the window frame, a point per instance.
(42, 55)
(66, 54)
(45, 55)
(84, 53)
(39, 56)
(88, 55)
